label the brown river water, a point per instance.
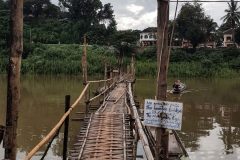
(211, 117)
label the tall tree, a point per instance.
(89, 13)
(40, 8)
(193, 24)
(13, 87)
(233, 14)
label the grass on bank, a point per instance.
(66, 59)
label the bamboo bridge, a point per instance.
(114, 130)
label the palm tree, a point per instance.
(232, 16)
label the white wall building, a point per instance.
(148, 36)
(228, 38)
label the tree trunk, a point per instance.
(13, 87)
(163, 57)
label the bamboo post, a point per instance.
(133, 65)
(66, 124)
(84, 71)
(105, 78)
(13, 86)
(2, 128)
(30, 35)
(84, 61)
(161, 148)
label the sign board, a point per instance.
(163, 114)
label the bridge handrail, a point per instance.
(90, 100)
(97, 81)
(140, 129)
(57, 126)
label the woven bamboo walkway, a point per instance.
(106, 134)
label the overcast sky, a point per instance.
(139, 14)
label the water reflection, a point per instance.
(211, 121)
(210, 130)
(41, 106)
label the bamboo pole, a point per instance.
(98, 81)
(105, 78)
(133, 65)
(85, 139)
(140, 130)
(13, 86)
(119, 97)
(162, 136)
(84, 61)
(84, 72)
(102, 92)
(56, 127)
(66, 126)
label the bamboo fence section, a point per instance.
(56, 127)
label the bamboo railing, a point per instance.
(56, 127)
(140, 130)
(102, 91)
(97, 81)
(62, 119)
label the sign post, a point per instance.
(163, 114)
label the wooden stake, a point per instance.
(13, 87)
(105, 78)
(84, 71)
(84, 61)
(161, 148)
(66, 124)
(133, 65)
(2, 128)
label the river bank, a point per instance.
(66, 59)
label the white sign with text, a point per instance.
(163, 114)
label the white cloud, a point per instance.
(215, 10)
(135, 8)
(139, 14)
(143, 21)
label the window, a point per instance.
(151, 36)
(146, 36)
(229, 38)
(141, 37)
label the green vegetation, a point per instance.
(47, 23)
(194, 25)
(52, 35)
(63, 59)
(66, 59)
(202, 63)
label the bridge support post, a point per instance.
(84, 72)
(162, 135)
(66, 124)
(13, 86)
(133, 65)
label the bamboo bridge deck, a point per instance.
(106, 134)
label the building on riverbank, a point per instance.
(228, 38)
(148, 37)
